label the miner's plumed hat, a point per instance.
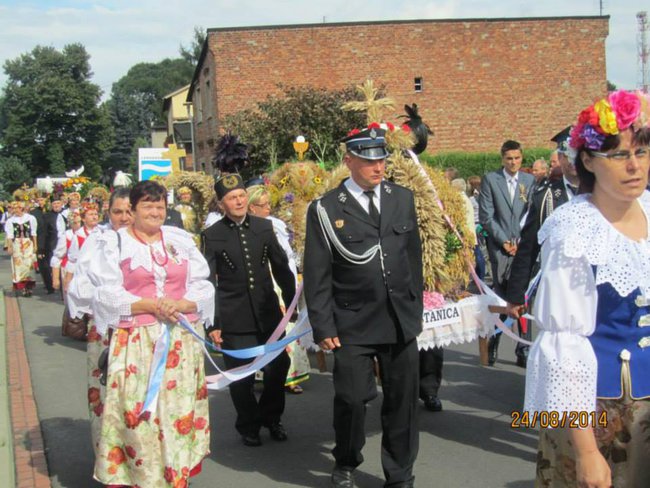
(562, 140)
(228, 183)
(368, 143)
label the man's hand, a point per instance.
(510, 248)
(215, 335)
(515, 311)
(330, 343)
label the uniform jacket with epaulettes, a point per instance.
(363, 303)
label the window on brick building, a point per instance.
(417, 83)
(208, 100)
(199, 106)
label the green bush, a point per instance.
(478, 163)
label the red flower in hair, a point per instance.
(391, 126)
(406, 128)
(353, 132)
(374, 125)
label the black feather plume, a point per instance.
(420, 130)
(230, 155)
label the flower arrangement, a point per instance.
(617, 112)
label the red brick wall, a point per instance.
(484, 81)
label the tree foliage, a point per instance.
(51, 116)
(271, 128)
(12, 175)
(136, 103)
(192, 53)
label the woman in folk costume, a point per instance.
(259, 204)
(20, 232)
(144, 276)
(588, 368)
(59, 261)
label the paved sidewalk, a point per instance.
(469, 444)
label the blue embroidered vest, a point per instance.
(622, 323)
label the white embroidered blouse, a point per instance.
(97, 286)
(562, 368)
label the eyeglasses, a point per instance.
(640, 154)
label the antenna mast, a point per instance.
(644, 51)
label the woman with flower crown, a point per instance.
(587, 382)
(155, 427)
(20, 230)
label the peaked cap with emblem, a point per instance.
(562, 140)
(367, 144)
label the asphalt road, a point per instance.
(469, 444)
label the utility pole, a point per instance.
(644, 51)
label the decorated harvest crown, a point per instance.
(609, 116)
(87, 206)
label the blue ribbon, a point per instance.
(157, 370)
(247, 353)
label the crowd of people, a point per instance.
(147, 300)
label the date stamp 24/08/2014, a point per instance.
(557, 420)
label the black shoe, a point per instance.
(432, 403)
(50, 292)
(251, 440)
(493, 349)
(342, 477)
(521, 361)
(277, 432)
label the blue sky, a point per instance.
(120, 33)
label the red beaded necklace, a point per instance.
(153, 255)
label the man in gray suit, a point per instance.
(502, 204)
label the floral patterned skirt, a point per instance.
(22, 263)
(141, 450)
(624, 442)
(299, 367)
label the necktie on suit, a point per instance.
(512, 183)
(372, 210)
(573, 189)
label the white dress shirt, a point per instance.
(357, 192)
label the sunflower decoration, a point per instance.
(201, 184)
(292, 186)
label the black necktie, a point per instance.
(372, 210)
(574, 189)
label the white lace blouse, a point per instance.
(562, 368)
(97, 286)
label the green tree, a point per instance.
(51, 114)
(271, 128)
(192, 53)
(136, 103)
(13, 174)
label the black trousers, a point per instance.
(45, 270)
(431, 361)
(354, 386)
(251, 413)
(521, 350)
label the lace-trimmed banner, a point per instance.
(457, 323)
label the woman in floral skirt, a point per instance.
(144, 277)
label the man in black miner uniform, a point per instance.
(239, 249)
(363, 286)
(543, 201)
(51, 229)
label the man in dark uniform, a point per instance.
(363, 286)
(52, 228)
(239, 249)
(543, 201)
(38, 212)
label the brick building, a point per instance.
(477, 81)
